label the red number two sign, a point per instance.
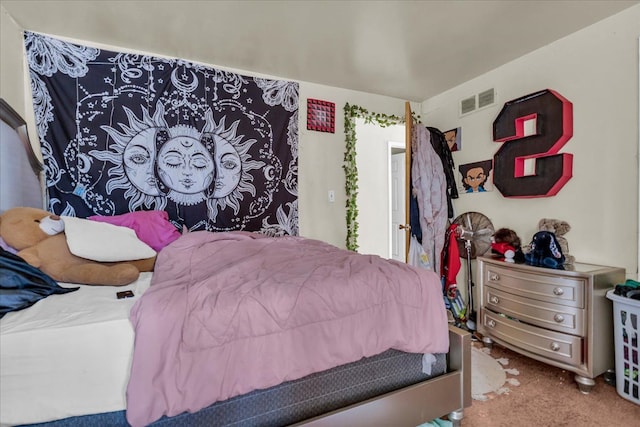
(533, 129)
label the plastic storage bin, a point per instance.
(626, 323)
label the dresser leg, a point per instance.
(584, 384)
(456, 417)
(487, 341)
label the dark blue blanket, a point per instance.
(22, 285)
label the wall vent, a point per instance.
(486, 98)
(467, 105)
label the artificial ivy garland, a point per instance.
(351, 113)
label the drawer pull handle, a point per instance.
(491, 323)
(494, 277)
(494, 300)
(555, 346)
(558, 318)
(558, 291)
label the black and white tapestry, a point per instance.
(122, 132)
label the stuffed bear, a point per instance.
(506, 243)
(39, 238)
(559, 228)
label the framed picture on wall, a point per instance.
(454, 139)
(321, 115)
(476, 177)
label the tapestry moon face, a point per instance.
(122, 132)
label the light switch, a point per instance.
(332, 196)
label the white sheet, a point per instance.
(67, 355)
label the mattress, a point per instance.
(67, 355)
(294, 401)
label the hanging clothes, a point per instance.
(450, 261)
(450, 266)
(428, 185)
(439, 144)
(414, 216)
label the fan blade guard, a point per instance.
(476, 229)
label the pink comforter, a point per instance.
(228, 313)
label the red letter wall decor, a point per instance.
(553, 116)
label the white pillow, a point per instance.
(103, 242)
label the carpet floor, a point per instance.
(547, 396)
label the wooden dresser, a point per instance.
(560, 317)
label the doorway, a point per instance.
(373, 157)
(397, 203)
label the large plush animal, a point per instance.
(39, 238)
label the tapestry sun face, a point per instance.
(124, 132)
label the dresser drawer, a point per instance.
(556, 289)
(555, 317)
(551, 345)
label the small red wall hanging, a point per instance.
(553, 118)
(321, 115)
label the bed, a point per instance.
(76, 360)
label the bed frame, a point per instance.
(445, 395)
(18, 185)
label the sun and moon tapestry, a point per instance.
(121, 132)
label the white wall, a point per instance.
(12, 88)
(597, 70)
(321, 158)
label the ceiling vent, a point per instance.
(467, 105)
(486, 98)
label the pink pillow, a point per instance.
(152, 227)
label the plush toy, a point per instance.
(559, 228)
(506, 244)
(544, 251)
(39, 238)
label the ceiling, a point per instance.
(411, 50)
